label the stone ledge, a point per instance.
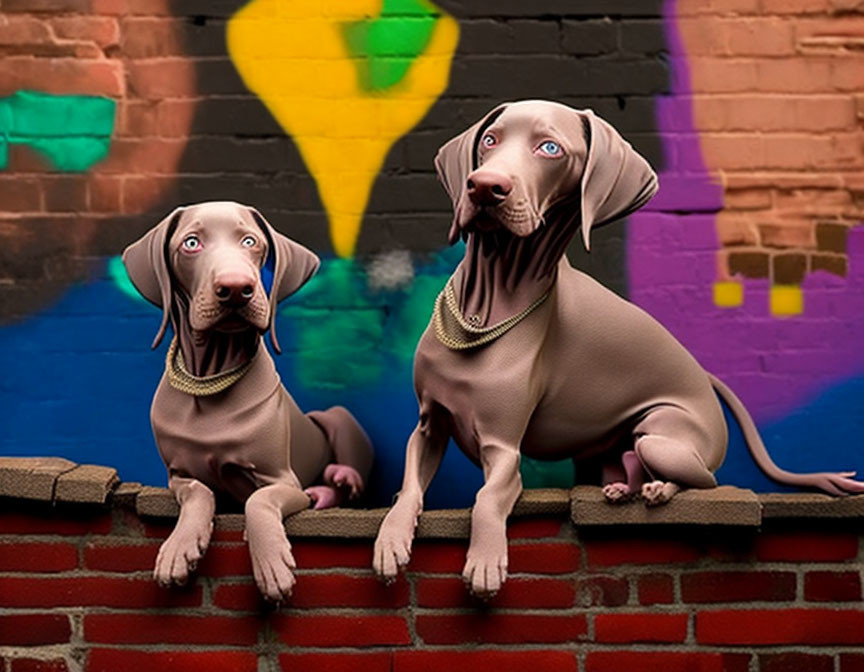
(60, 481)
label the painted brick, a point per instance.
(295, 630)
(470, 661)
(795, 662)
(120, 557)
(169, 629)
(93, 591)
(738, 586)
(605, 591)
(515, 593)
(34, 629)
(786, 626)
(500, 628)
(53, 523)
(37, 665)
(666, 661)
(26, 557)
(129, 660)
(533, 528)
(336, 662)
(806, 547)
(832, 586)
(647, 627)
(852, 662)
(655, 589)
(610, 553)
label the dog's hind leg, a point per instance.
(667, 443)
(423, 456)
(622, 481)
(352, 457)
(180, 552)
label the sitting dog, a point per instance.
(223, 422)
(525, 354)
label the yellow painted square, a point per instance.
(786, 300)
(728, 294)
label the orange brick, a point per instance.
(787, 235)
(797, 151)
(162, 78)
(798, 74)
(722, 75)
(749, 199)
(704, 36)
(760, 36)
(735, 229)
(101, 30)
(795, 6)
(733, 150)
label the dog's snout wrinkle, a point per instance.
(488, 188)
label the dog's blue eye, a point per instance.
(489, 140)
(248, 241)
(551, 148)
(191, 242)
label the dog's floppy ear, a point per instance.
(457, 159)
(293, 265)
(616, 180)
(147, 267)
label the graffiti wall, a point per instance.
(326, 117)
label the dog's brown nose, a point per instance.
(488, 188)
(234, 288)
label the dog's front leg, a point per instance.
(422, 458)
(269, 549)
(180, 552)
(486, 563)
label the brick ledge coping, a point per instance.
(59, 481)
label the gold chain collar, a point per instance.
(180, 379)
(457, 333)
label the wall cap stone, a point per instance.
(60, 481)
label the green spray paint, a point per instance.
(118, 275)
(385, 47)
(72, 132)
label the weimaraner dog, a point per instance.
(223, 422)
(525, 354)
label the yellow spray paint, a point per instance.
(295, 57)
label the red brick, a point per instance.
(34, 629)
(129, 660)
(605, 591)
(296, 630)
(628, 628)
(169, 629)
(609, 553)
(807, 546)
(52, 523)
(471, 661)
(782, 626)
(99, 29)
(93, 591)
(533, 528)
(120, 557)
(83, 76)
(438, 556)
(500, 628)
(37, 557)
(655, 661)
(36, 665)
(337, 590)
(655, 589)
(104, 193)
(795, 662)
(19, 194)
(551, 558)
(228, 535)
(239, 597)
(324, 554)
(852, 662)
(738, 586)
(336, 662)
(226, 560)
(832, 586)
(515, 593)
(162, 78)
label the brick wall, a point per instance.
(76, 594)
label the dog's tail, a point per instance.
(832, 483)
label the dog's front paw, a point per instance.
(272, 565)
(484, 574)
(393, 544)
(180, 553)
(324, 496)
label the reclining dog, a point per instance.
(526, 355)
(223, 422)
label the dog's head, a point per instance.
(213, 254)
(522, 158)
